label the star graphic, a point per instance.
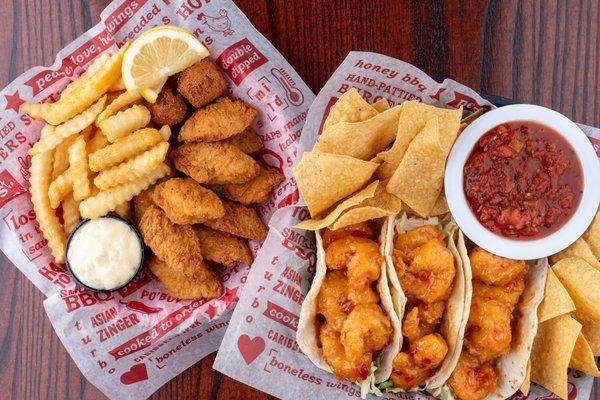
(230, 295)
(211, 311)
(14, 101)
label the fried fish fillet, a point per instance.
(179, 285)
(201, 83)
(217, 121)
(169, 108)
(179, 247)
(217, 163)
(247, 141)
(254, 191)
(141, 202)
(239, 221)
(222, 248)
(186, 202)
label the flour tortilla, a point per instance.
(454, 320)
(307, 334)
(512, 367)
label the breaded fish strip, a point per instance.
(216, 163)
(220, 120)
(201, 83)
(239, 221)
(247, 141)
(169, 108)
(222, 248)
(179, 285)
(141, 203)
(186, 202)
(179, 247)
(254, 191)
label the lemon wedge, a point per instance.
(157, 54)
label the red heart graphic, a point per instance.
(135, 374)
(250, 348)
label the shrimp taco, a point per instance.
(501, 325)
(348, 325)
(430, 289)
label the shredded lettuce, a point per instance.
(368, 386)
(449, 226)
(445, 393)
(388, 387)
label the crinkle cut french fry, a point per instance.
(108, 200)
(118, 85)
(165, 132)
(71, 215)
(124, 148)
(41, 170)
(132, 169)
(124, 122)
(90, 71)
(61, 157)
(97, 142)
(124, 99)
(84, 95)
(36, 110)
(60, 188)
(78, 159)
(69, 128)
(123, 210)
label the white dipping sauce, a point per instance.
(104, 253)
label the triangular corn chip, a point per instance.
(324, 179)
(356, 198)
(363, 139)
(556, 299)
(350, 107)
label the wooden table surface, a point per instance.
(543, 52)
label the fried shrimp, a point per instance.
(508, 294)
(363, 260)
(360, 229)
(493, 269)
(422, 320)
(344, 367)
(332, 300)
(472, 379)
(430, 275)
(489, 332)
(409, 241)
(366, 329)
(425, 355)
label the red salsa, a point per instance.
(523, 180)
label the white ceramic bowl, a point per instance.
(515, 248)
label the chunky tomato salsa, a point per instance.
(523, 180)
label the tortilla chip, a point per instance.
(582, 358)
(356, 198)
(582, 282)
(472, 117)
(591, 331)
(580, 249)
(419, 178)
(441, 205)
(413, 118)
(383, 204)
(325, 179)
(350, 107)
(363, 139)
(556, 299)
(381, 105)
(552, 351)
(526, 385)
(592, 235)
